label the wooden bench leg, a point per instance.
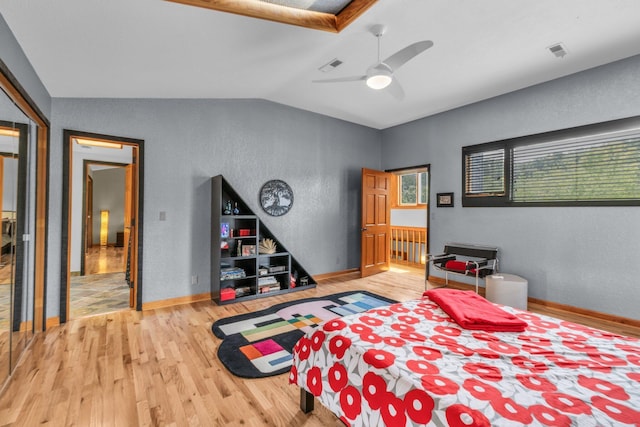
(306, 401)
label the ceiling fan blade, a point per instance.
(395, 89)
(403, 56)
(341, 79)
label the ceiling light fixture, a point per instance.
(379, 77)
(381, 74)
(98, 143)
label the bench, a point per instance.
(467, 260)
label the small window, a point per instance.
(586, 166)
(408, 189)
(485, 173)
(413, 189)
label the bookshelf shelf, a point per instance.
(238, 271)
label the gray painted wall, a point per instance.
(108, 194)
(572, 255)
(409, 217)
(17, 62)
(247, 141)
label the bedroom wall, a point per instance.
(249, 142)
(581, 256)
(14, 58)
(108, 194)
(409, 217)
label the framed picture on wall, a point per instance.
(445, 200)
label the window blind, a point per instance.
(591, 165)
(484, 173)
(591, 169)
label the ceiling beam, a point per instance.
(287, 15)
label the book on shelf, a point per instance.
(274, 268)
(230, 273)
(268, 280)
(270, 288)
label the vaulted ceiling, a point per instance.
(165, 49)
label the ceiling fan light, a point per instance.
(379, 76)
(379, 81)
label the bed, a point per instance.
(411, 364)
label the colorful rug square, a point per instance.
(259, 344)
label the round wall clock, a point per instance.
(276, 197)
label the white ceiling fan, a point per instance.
(380, 75)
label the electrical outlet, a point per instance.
(194, 279)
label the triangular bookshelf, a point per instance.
(238, 270)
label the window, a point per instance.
(485, 173)
(590, 165)
(413, 188)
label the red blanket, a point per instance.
(471, 311)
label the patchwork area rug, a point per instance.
(259, 344)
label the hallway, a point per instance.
(104, 288)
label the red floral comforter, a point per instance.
(410, 364)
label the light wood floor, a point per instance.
(159, 367)
(104, 259)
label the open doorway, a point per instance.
(409, 219)
(102, 218)
(99, 283)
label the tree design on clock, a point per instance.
(276, 197)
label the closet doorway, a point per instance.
(103, 183)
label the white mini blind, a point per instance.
(589, 169)
(484, 173)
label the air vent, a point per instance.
(558, 50)
(331, 65)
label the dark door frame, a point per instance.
(68, 135)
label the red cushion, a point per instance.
(460, 266)
(456, 265)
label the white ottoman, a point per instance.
(507, 289)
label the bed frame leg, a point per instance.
(306, 401)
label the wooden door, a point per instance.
(128, 171)
(130, 231)
(376, 224)
(88, 241)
